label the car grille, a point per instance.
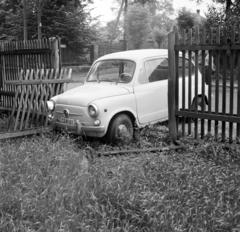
(73, 112)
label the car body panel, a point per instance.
(89, 92)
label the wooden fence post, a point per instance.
(94, 51)
(55, 53)
(171, 86)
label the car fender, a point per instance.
(109, 107)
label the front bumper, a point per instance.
(79, 129)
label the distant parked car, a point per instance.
(122, 91)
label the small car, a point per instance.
(122, 91)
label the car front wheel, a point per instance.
(120, 129)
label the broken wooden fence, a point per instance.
(216, 53)
(18, 55)
(33, 90)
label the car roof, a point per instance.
(136, 55)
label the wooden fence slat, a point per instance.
(68, 78)
(40, 98)
(44, 100)
(196, 94)
(30, 107)
(171, 85)
(232, 59)
(203, 71)
(29, 74)
(183, 89)
(210, 116)
(19, 108)
(224, 79)
(213, 47)
(190, 81)
(60, 74)
(238, 95)
(176, 89)
(31, 82)
(217, 81)
(50, 91)
(203, 90)
(36, 99)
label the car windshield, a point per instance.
(112, 71)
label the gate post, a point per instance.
(56, 52)
(172, 124)
(94, 51)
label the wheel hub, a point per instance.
(123, 131)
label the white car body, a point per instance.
(144, 102)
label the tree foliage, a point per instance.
(146, 20)
(162, 6)
(138, 25)
(225, 16)
(228, 15)
(161, 26)
(111, 31)
(67, 19)
(187, 19)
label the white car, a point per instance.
(122, 91)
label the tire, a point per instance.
(120, 129)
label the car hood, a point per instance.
(85, 94)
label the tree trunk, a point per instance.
(24, 20)
(125, 25)
(117, 22)
(228, 9)
(39, 22)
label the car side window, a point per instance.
(156, 70)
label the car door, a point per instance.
(151, 91)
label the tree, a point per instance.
(138, 25)
(67, 19)
(230, 10)
(186, 19)
(229, 5)
(154, 29)
(159, 36)
(112, 31)
(161, 25)
(226, 16)
(161, 6)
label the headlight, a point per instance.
(93, 110)
(50, 105)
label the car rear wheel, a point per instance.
(120, 129)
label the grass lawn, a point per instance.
(48, 184)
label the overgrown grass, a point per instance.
(47, 184)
